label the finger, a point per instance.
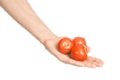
(90, 58)
(88, 49)
(68, 60)
(82, 63)
(95, 61)
(99, 64)
(76, 63)
(90, 64)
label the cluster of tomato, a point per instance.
(76, 48)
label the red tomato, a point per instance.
(80, 40)
(65, 45)
(78, 53)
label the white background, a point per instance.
(22, 57)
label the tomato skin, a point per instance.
(79, 40)
(78, 53)
(82, 41)
(65, 45)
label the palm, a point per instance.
(51, 46)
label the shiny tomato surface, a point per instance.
(79, 40)
(82, 41)
(65, 45)
(78, 53)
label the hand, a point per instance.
(51, 46)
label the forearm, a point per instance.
(22, 12)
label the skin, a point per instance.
(22, 12)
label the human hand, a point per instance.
(51, 46)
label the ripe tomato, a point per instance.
(78, 53)
(80, 40)
(65, 45)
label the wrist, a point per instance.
(46, 35)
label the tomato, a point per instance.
(79, 40)
(78, 53)
(82, 41)
(65, 45)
